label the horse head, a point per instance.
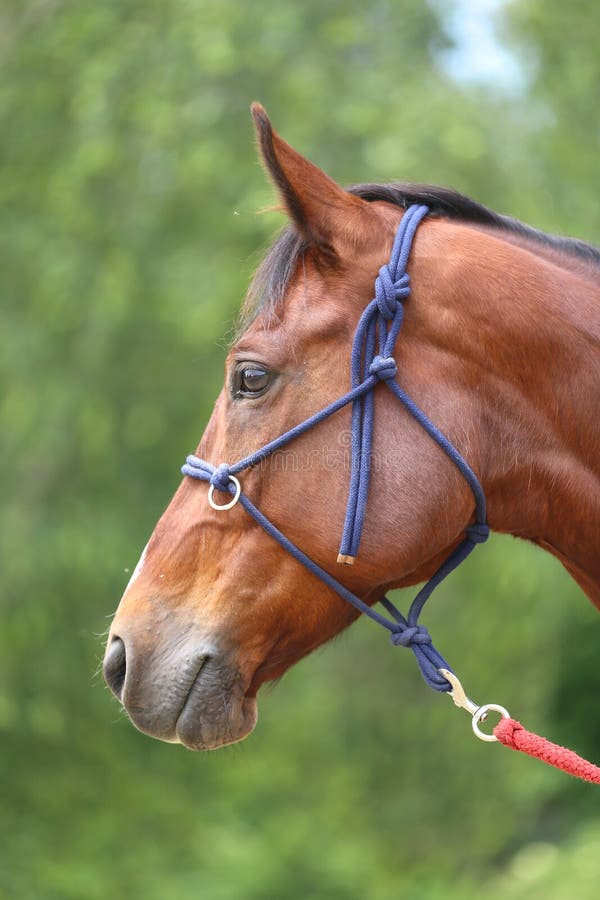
(216, 607)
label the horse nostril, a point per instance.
(115, 666)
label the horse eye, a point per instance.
(252, 381)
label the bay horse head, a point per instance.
(216, 607)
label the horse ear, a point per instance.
(323, 212)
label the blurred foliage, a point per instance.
(129, 188)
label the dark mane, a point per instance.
(273, 275)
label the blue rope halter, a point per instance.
(378, 327)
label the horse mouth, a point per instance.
(197, 699)
(189, 707)
(216, 711)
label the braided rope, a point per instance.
(512, 734)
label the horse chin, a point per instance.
(197, 730)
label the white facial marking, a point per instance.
(138, 568)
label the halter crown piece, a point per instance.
(372, 362)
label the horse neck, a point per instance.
(528, 328)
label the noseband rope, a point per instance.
(372, 362)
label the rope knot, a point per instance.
(388, 293)
(220, 478)
(384, 367)
(412, 634)
(478, 533)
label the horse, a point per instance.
(500, 346)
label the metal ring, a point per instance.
(481, 714)
(234, 499)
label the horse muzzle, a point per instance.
(182, 691)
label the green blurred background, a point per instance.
(129, 188)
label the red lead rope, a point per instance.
(512, 734)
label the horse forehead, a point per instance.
(317, 300)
